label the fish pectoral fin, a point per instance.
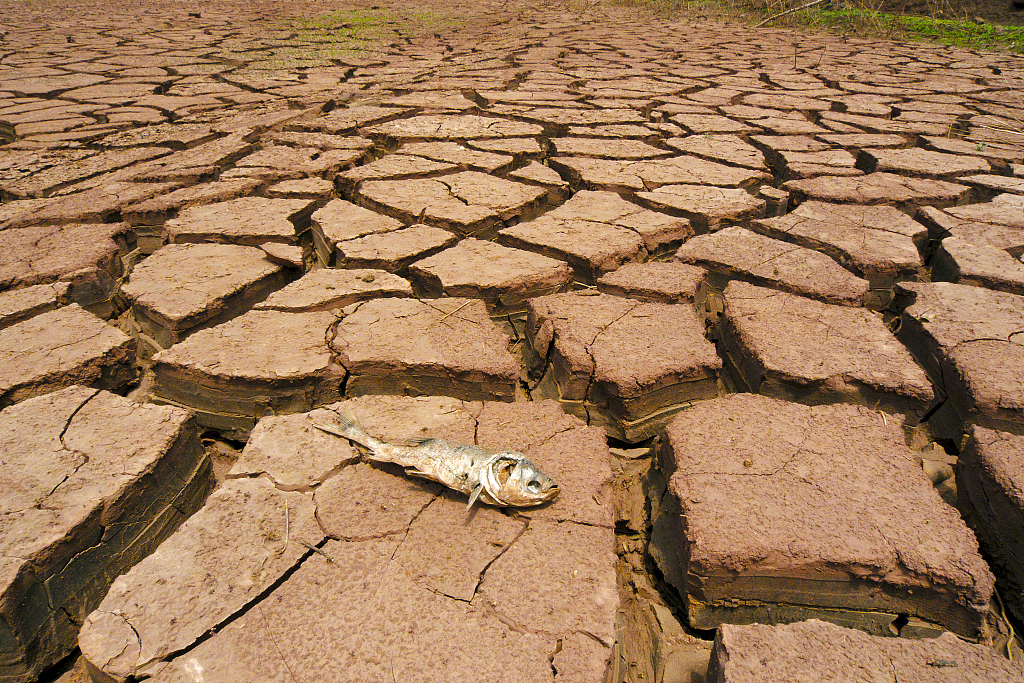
(420, 441)
(474, 495)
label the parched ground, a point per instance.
(754, 298)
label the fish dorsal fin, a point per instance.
(474, 495)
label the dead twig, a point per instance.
(455, 311)
(317, 550)
(1006, 622)
(789, 11)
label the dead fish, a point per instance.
(503, 478)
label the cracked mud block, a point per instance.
(147, 218)
(279, 162)
(100, 203)
(793, 165)
(17, 305)
(988, 185)
(879, 188)
(747, 529)
(989, 481)
(596, 232)
(814, 650)
(730, 149)
(801, 350)
(737, 253)
(860, 140)
(45, 182)
(332, 288)
(920, 163)
(402, 578)
(880, 243)
(394, 167)
(706, 124)
(185, 287)
(655, 281)
(468, 203)
(442, 127)
(197, 163)
(85, 255)
(314, 188)
(626, 176)
(220, 560)
(249, 221)
(971, 342)
(708, 208)
(604, 148)
(998, 155)
(92, 484)
(625, 365)
(463, 157)
(346, 120)
(339, 221)
(444, 346)
(561, 117)
(502, 276)
(392, 251)
(260, 363)
(536, 173)
(63, 347)
(979, 265)
(519, 148)
(998, 223)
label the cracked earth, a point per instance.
(754, 299)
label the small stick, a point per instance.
(789, 11)
(455, 311)
(317, 550)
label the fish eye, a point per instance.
(533, 486)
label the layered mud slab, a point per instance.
(981, 265)
(740, 254)
(879, 243)
(65, 346)
(248, 221)
(971, 342)
(990, 478)
(469, 203)
(184, 287)
(596, 232)
(360, 571)
(797, 349)
(331, 288)
(747, 533)
(655, 281)
(997, 223)
(624, 364)
(446, 346)
(92, 484)
(87, 256)
(815, 650)
(260, 363)
(466, 270)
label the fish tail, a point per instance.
(352, 430)
(348, 427)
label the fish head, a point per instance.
(520, 482)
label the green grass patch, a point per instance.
(331, 37)
(861, 22)
(965, 34)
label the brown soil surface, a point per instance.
(235, 219)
